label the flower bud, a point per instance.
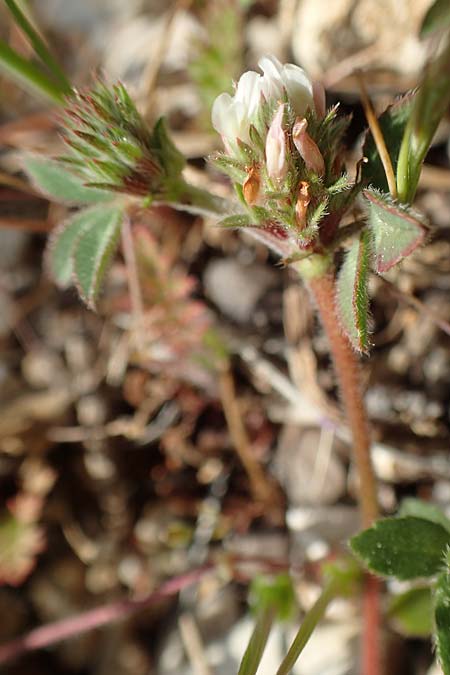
(319, 99)
(276, 147)
(112, 148)
(251, 186)
(301, 205)
(307, 148)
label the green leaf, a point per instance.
(420, 509)
(54, 181)
(94, 250)
(276, 592)
(412, 612)
(238, 220)
(397, 230)
(404, 548)
(345, 574)
(247, 153)
(62, 242)
(392, 124)
(436, 19)
(171, 158)
(429, 106)
(229, 166)
(352, 295)
(442, 621)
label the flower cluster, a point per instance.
(112, 148)
(283, 154)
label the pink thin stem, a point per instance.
(95, 618)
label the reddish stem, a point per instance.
(348, 373)
(371, 647)
(94, 618)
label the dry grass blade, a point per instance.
(377, 136)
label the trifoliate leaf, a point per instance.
(436, 19)
(352, 295)
(62, 241)
(412, 612)
(94, 250)
(420, 509)
(442, 621)
(55, 182)
(404, 548)
(397, 230)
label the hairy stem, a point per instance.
(348, 374)
(199, 201)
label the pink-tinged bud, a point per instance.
(251, 186)
(319, 99)
(276, 147)
(301, 205)
(307, 148)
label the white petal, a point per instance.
(220, 111)
(229, 118)
(299, 88)
(272, 85)
(270, 66)
(294, 73)
(249, 91)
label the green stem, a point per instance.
(429, 106)
(312, 618)
(28, 74)
(257, 644)
(39, 46)
(202, 202)
(403, 179)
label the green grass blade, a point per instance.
(310, 621)
(39, 46)
(27, 74)
(257, 644)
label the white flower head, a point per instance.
(233, 115)
(293, 79)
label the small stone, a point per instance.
(41, 368)
(236, 288)
(308, 466)
(91, 411)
